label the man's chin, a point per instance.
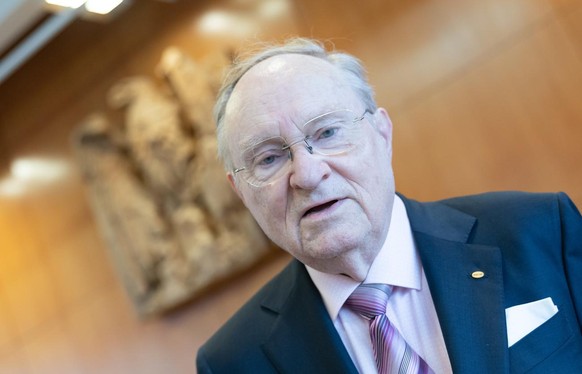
(333, 240)
(325, 248)
(347, 262)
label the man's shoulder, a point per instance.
(515, 205)
(241, 336)
(500, 197)
(505, 203)
(269, 298)
(495, 213)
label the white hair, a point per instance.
(349, 65)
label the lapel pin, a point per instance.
(477, 274)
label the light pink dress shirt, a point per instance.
(410, 308)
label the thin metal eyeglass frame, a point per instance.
(306, 138)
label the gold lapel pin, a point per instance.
(477, 274)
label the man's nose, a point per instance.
(308, 168)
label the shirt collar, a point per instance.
(397, 264)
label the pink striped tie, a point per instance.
(393, 355)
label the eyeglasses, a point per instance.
(332, 133)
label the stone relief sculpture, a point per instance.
(171, 222)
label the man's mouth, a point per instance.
(319, 208)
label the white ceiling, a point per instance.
(31, 24)
(16, 17)
(20, 21)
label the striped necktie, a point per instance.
(393, 355)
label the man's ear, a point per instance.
(234, 187)
(384, 124)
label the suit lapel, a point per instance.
(303, 338)
(470, 310)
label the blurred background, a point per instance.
(484, 95)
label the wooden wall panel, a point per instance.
(413, 48)
(504, 124)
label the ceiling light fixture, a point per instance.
(93, 6)
(102, 6)
(66, 3)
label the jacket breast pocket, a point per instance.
(548, 339)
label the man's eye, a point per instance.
(327, 133)
(268, 160)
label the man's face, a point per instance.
(330, 212)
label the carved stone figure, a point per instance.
(154, 135)
(172, 223)
(194, 84)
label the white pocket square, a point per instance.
(523, 319)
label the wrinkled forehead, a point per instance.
(277, 96)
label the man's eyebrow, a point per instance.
(248, 142)
(321, 116)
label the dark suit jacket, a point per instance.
(528, 245)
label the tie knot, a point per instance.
(370, 299)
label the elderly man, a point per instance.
(380, 283)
